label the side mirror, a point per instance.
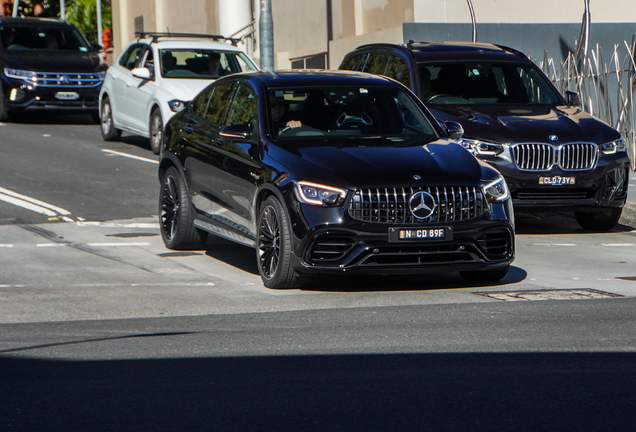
(573, 98)
(454, 130)
(97, 47)
(240, 131)
(141, 73)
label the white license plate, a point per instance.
(557, 181)
(420, 234)
(66, 95)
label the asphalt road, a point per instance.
(102, 328)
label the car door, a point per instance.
(139, 92)
(201, 127)
(121, 78)
(236, 158)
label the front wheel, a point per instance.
(156, 131)
(109, 132)
(492, 275)
(599, 221)
(175, 214)
(273, 246)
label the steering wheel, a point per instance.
(363, 119)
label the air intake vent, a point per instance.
(330, 248)
(495, 244)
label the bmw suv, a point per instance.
(47, 65)
(552, 154)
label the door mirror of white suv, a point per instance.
(142, 73)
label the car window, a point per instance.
(485, 83)
(244, 108)
(200, 103)
(346, 112)
(217, 107)
(398, 69)
(353, 62)
(202, 63)
(43, 38)
(129, 59)
(376, 64)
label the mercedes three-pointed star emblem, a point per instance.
(422, 205)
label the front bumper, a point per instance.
(339, 244)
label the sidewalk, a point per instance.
(629, 211)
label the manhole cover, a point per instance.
(566, 294)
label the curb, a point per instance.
(628, 217)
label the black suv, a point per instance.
(552, 154)
(330, 172)
(47, 65)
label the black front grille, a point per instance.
(420, 255)
(391, 205)
(542, 157)
(60, 79)
(328, 248)
(557, 193)
(496, 244)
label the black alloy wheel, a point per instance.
(175, 214)
(156, 131)
(273, 248)
(492, 275)
(109, 132)
(603, 220)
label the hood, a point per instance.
(381, 163)
(526, 123)
(184, 89)
(57, 61)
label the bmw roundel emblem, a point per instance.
(417, 177)
(422, 205)
(553, 138)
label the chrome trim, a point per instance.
(543, 156)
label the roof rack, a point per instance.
(155, 36)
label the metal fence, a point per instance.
(606, 88)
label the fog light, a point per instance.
(16, 94)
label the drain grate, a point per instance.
(562, 294)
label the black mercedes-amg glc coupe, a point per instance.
(331, 172)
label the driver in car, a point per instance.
(279, 108)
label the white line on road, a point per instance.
(116, 153)
(6, 245)
(43, 245)
(118, 225)
(31, 203)
(555, 244)
(620, 245)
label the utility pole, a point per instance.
(266, 36)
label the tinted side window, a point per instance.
(352, 63)
(200, 103)
(219, 102)
(130, 57)
(244, 108)
(376, 64)
(398, 69)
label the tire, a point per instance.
(156, 131)
(492, 275)
(109, 132)
(599, 221)
(273, 247)
(176, 215)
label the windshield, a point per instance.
(43, 38)
(485, 83)
(346, 112)
(202, 63)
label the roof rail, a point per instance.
(155, 36)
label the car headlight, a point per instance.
(620, 145)
(320, 195)
(497, 191)
(177, 105)
(481, 148)
(20, 74)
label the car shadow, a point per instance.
(556, 223)
(243, 258)
(53, 118)
(551, 391)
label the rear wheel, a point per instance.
(599, 221)
(273, 247)
(175, 214)
(492, 275)
(156, 131)
(109, 132)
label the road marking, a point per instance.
(555, 244)
(6, 245)
(32, 204)
(46, 245)
(117, 225)
(620, 245)
(116, 153)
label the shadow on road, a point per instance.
(53, 118)
(555, 223)
(410, 392)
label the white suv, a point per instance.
(157, 74)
